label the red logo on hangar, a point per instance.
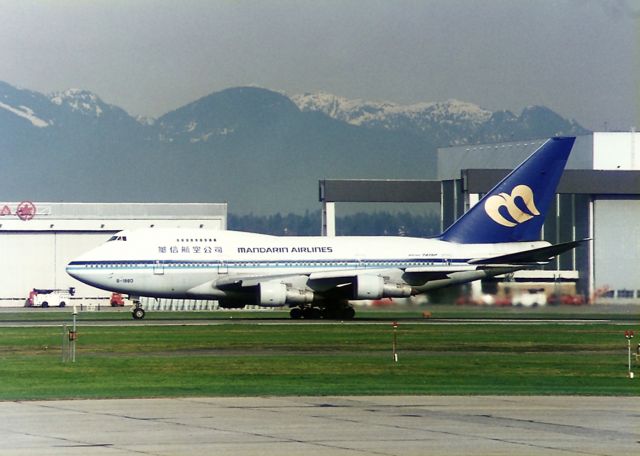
(26, 210)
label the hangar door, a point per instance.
(26, 262)
(38, 260)
(617, 244)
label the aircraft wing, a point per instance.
(318, 281)
(533, 256)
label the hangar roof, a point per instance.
(578, 181)
(505, 156)
(38, 216)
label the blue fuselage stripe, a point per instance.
(240, 264)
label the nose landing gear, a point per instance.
(137, 312)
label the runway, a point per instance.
(386, 425)
(256, 322)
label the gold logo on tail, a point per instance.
(517, 215)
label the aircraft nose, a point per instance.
(83, 268)
(76, 269)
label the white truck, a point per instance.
(56, 297)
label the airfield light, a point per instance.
(629, 335)
(395, 341)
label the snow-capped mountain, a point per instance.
(85, 107)
(258, 149)
(386, 115)
(449, 122)
(42, 106)
(82, 101)
(20, 106)
(25, 113)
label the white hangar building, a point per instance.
(38, 239)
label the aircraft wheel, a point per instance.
(332, 313)
(307, 313)
(138, 313)
(316, 313)
(329, 313)
(295, 313)
(348, 313)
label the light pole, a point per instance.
(73, 335)
(629, 335)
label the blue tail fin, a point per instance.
(514, 210)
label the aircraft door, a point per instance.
(158, 267)
(222, 268)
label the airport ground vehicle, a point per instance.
(117, 300)
(49, 297)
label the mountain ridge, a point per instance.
(258, 149)
(425, 117)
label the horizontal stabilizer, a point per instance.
(539, 255)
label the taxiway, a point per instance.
(386, 425)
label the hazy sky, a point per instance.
(579, 57)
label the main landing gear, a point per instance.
(344, 312)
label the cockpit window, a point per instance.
(117, 238)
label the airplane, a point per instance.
(319, 276)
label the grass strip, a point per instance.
(293, 359)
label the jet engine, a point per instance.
(375, 287)
(276, 294)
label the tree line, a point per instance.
(359, 224)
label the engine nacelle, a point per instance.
(374, 287)
(272, 294)
(368, 287)
(276, 294)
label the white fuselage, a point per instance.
(191, 264)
